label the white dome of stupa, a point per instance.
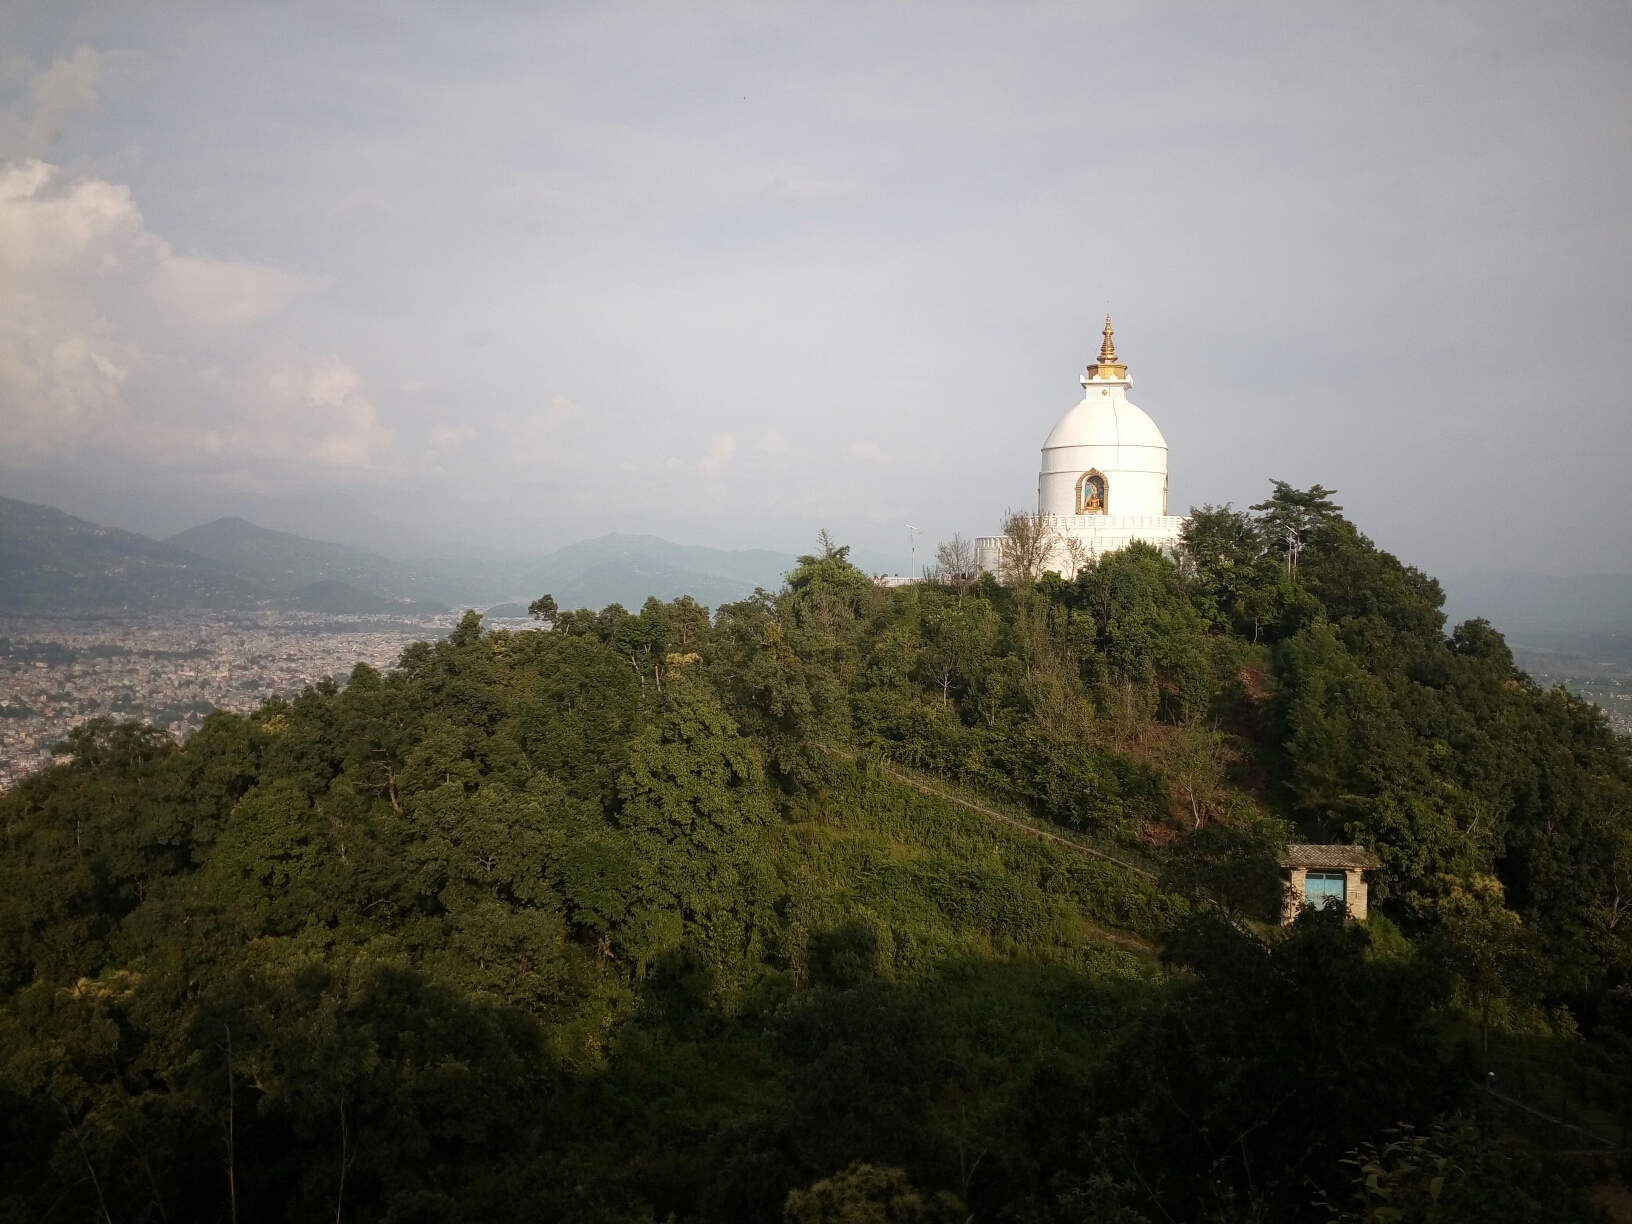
(1103, 483)
(1105, 456)
(1101, 419)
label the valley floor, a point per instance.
(172, 669)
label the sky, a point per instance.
(518, 275)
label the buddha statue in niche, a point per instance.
(1091, 494)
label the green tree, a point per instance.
(960, 638)
(1482, 942)
(1452, 1172)
(693, 801)
(865, 1194)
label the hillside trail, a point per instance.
(1585, 1142)
(1059, 839)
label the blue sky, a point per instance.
(728, 274)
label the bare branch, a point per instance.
(955, 559)
(1028, 542)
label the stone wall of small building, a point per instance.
(1354, 893)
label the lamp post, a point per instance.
(912, 543)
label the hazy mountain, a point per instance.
(282, 562)
(754, 567)
(162, 512)
(332, 595)
(52, 561)
(626, 569)
(632, 578)
(332, 517)
(611, 569)
(49, 559)
(1525, 604)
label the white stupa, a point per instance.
(1104, 476)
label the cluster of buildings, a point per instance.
(1588, 673)
(57, 672)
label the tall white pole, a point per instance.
(913, 542)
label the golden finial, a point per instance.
(1107, 367)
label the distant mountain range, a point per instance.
(1523, 604)
(282, 562)
(628, 569)
(51, 561)
(162, 512)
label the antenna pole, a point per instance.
(912, 540)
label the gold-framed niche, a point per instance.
(1093, 493)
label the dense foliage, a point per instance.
(677, 916)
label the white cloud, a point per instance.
(720, 449)
(289, 410)
(321, 405)
(215, 293)
(798, 187)
(65, 248)
(867, 452)
(97, 325)
(55, 226)
(531, 438)
(361, 209)
(443, 440)
(773, 443)
(55, 95)
(53, 393)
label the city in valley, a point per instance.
(171, 670)
(59, 671)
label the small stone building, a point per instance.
(1319, 875)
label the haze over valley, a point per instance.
(98, 622)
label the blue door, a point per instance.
(1322, 888)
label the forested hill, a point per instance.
(679, 916)
(49, 559)
(53, 562)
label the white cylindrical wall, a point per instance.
(1135, 478)
(1106, 433)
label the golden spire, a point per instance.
(1107, 367)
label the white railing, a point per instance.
(1112, 524)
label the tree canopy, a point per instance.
(742, 915)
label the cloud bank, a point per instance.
(99, 324)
